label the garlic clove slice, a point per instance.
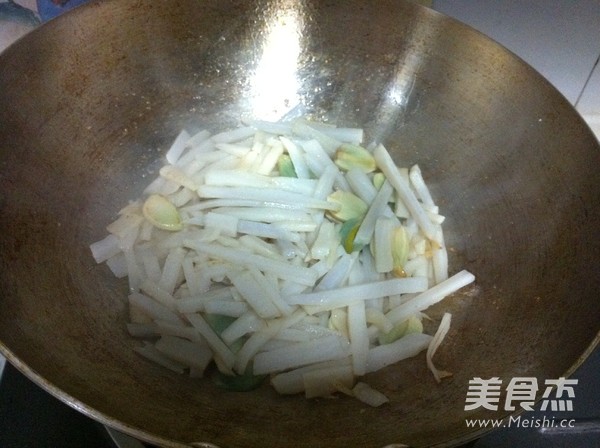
(161, 213)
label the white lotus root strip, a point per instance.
(283, 249)
(437, 340)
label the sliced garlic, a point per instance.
(350, 156)
(378, 180)
(400, 249)
(411, 325)
(351, 206)
(161, 213)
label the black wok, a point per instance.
(89, 103)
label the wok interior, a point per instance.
(90, 102)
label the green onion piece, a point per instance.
(238, 383)
(218, 322)
(286, 166)
(411, 325)
(348, 233)
(378, 180)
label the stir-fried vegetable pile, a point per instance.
(285, 251)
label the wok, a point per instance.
(90, 102)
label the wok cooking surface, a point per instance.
(582, 404)
(22, 402)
